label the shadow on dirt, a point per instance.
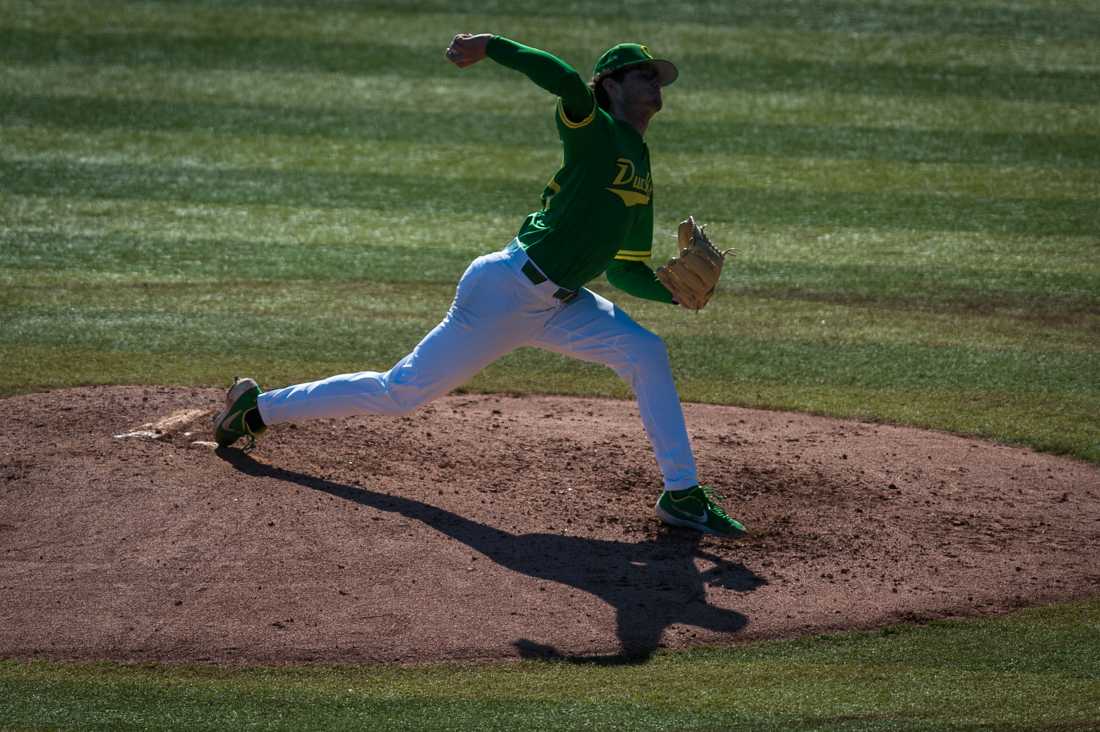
(652, 584)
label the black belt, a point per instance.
(537, 278)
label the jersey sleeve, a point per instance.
(549, 72)
(637, 279)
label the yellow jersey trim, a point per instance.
(576, 125)
(632, 257)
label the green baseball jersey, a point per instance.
(598, 204)
(597, 209)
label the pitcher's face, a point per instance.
(642, 86)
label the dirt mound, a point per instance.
(495, 527)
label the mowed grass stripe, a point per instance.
(784, 319)
(39, 232)
(521, 163)
(47, 258)
(378, 122)
(583, 42)
(167, 222)
(1073, 20)
(808, 359)
(357, 298)
(492, 93)
(1028, 286)
(156, 331)
(196, 53)
(429, 195)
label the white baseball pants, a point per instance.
(497, 309)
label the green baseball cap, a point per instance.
(633, 54)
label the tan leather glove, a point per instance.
(692, 275)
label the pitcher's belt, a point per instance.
(537, 278)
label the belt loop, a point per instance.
(536, 276)
(532, 273)
(565, 295)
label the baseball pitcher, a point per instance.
(596, 217)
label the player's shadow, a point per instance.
(651, 584)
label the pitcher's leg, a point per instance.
(446, 358)
(593, 328)
(478, 329)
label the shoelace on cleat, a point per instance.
(711, 502)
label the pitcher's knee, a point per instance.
(648, 347)
(404, 399)
(645, 354)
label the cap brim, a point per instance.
(666, 70)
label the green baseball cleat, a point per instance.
(232, 423)
(696, 509)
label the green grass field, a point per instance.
(1037, 670)
(192, 189)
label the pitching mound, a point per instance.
(496, 527)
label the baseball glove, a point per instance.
(693, 274)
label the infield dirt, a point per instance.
(489, 527)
